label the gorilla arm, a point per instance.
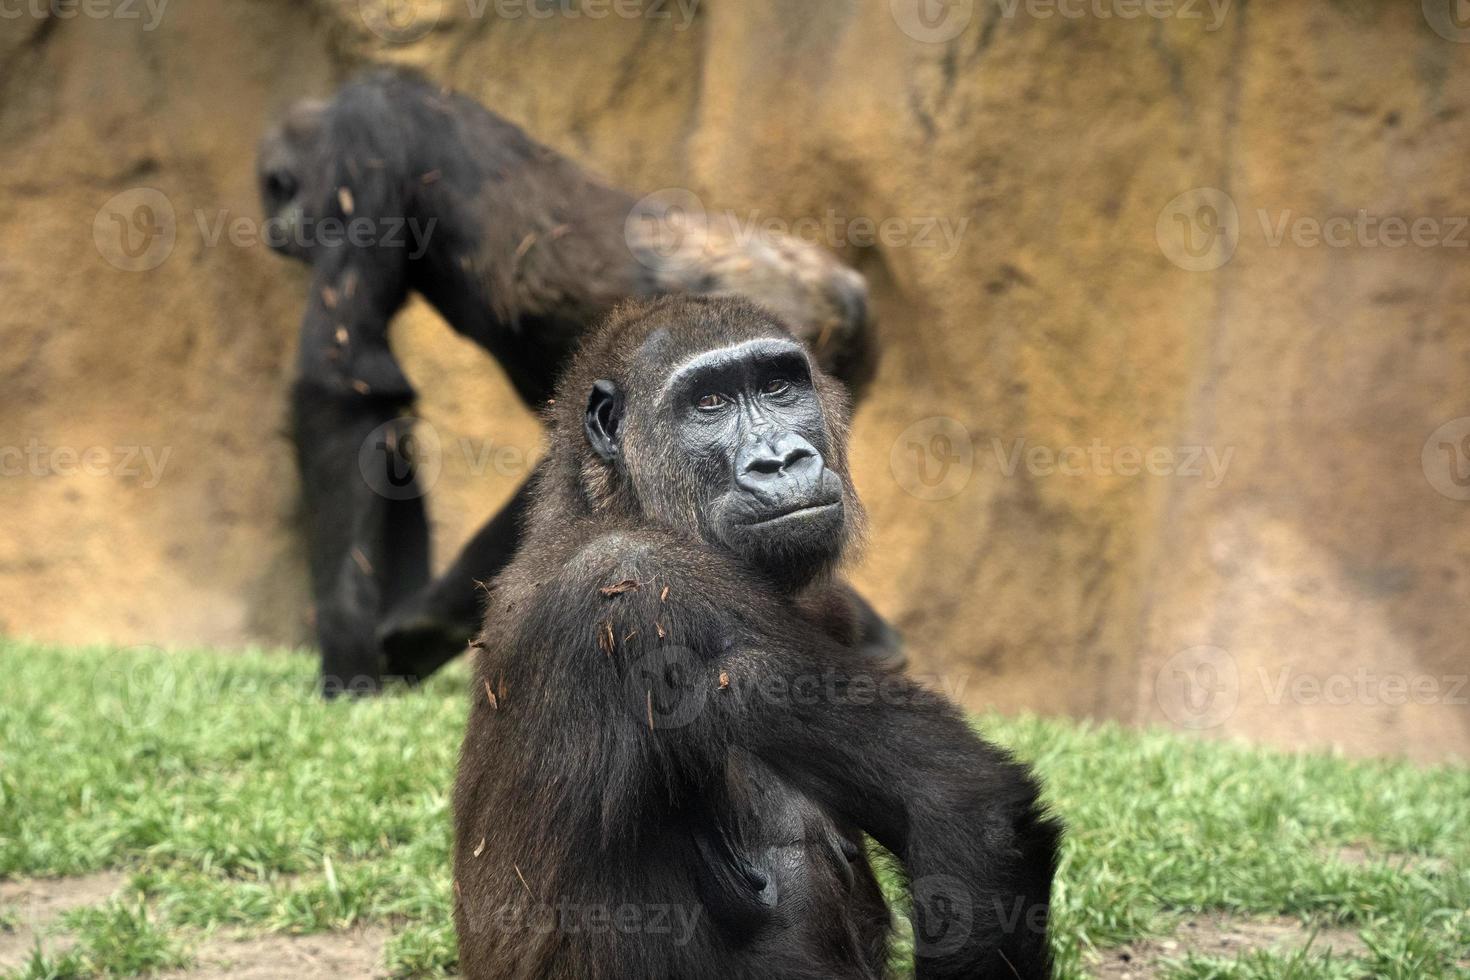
(673, 658)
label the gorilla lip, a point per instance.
(799, 512)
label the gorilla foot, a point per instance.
(417, 643)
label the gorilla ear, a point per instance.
(604, 421)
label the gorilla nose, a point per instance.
(767, 466)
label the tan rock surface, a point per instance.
(1311, 544)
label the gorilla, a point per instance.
(669, 768)
(397, 185)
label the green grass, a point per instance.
(233, 798)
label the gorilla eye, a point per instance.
(280, 185)
(777, 386)
(711, 402)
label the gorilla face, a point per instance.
(282, 165)
(733, 446)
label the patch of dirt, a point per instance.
(30, 909)
(353, 955)
(1353, 855)
(1357, 856)
(1222, 936)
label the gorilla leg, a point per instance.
(405, 537)
(434, 626)
(367, 533)
(366, 549)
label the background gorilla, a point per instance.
(397, 185)
(669, 768)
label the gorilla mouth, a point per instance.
(804, 512)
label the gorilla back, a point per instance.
(397, 186)
(661, 736)
(421, 188)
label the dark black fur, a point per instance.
(521, 251)
(657, 723)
